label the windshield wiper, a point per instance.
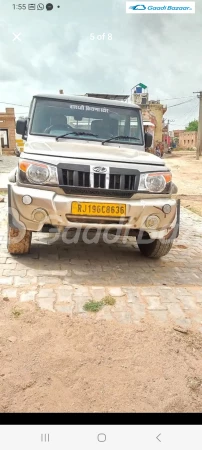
(119, 137)
(77, 133)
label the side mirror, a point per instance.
(21, 126)
(148, 140)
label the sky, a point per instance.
(56, 51)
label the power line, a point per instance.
(182, 103)
(174, 98)
(162, 100)
(178, 98)
(14, 104)
(186, 117)
(189, 114)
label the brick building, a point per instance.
(188, 139)
(158, 110)
(149, 123)
(176, 133)
(7, 131)
(153, 108)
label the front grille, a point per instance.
(77, 180)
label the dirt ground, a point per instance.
(51, 363)
(187, 174)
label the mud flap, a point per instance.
(175, 232)
(13, 214)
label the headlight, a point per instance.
(37, 173)
(155, 182)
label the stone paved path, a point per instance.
(62, 277)
(7, 163)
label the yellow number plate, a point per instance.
(98, 209)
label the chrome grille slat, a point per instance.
(122, 182)
(75, 178)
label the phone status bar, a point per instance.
(34, 6)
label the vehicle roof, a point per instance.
(85, 99)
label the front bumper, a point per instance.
(56, 212)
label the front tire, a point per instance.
(155, 249)
(19, 241)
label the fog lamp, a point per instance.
(152, 222)
(39, 215)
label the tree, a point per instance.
(193, 126)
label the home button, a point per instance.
(102, 437)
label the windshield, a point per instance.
(75, 120)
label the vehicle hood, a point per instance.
(92, 151)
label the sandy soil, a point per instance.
(51, 363)
(187, 174)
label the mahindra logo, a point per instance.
(100, 169)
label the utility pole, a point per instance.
(166, 142)
(166, 138)
(199, 141)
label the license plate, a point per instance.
(98, 209)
